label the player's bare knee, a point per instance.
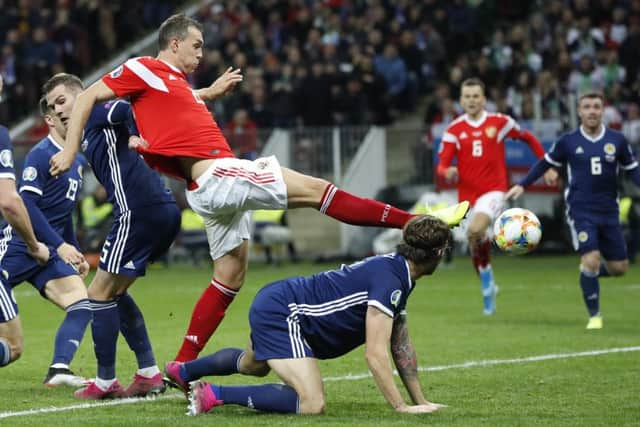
(17, 348)
(618, 268)
(312, 406)
(254, 368)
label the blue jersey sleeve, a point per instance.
(626, 156)
(6, 155)
(35, 173)
(41, 227)
(387, 293)
(557, 154)
(109, 113)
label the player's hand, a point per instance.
(83, 269)
(40, 253)
(60, 163)
(551, 176)
(69, 254)
(225, 83)
(514, 192)
(420, 409)
(451, 174)
(136, 143)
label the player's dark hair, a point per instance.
(425, 239)
(175, 26)
(591, 95)
(69, 80)
(474, 81)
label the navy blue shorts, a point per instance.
(22, 268)
(8, 306)
(138, 237)
(590, 234)
(275, 331)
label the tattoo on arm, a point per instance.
(404, 354)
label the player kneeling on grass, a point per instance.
(296, 321)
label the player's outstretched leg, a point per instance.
(205, 319)
(220, 363)
(147, 379)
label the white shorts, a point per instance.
(490, 204)
(228, 190)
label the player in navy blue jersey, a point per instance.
(50, 202)
(146, 221)
(298, 320)
(15, 213)
(593, 155)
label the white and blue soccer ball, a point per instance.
(517, 231)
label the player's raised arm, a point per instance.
(378, 329)
(223, 85)
(97, 92)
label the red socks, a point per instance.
(354, 210)
(481, 254)
(207, 315)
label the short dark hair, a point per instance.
(473, 81)
(44, 107)
(424, 239)
(591, 95)
(69, 80)
(175, 26)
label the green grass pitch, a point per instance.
(540, 314)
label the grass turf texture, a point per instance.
(540, 311)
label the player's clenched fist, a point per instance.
(60, 163)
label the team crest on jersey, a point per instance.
(395, 297)
(609, 149)
(29, 174)
(491, 131)
(583, 236)
(117, 72)
(6, 158)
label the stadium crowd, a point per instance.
(361, 62)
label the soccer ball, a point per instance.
(517, 231)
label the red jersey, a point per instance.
(479, 147)
(169, 114)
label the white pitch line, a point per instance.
(490, 362)
(348, 377)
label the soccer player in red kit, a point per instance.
(477, 140)
(180, 138)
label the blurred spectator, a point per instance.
(95, 219)
(241, 133)
(631, 126)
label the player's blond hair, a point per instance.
(175, 26)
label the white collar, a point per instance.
(592, 139)
(54, 142)
(476, 123)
